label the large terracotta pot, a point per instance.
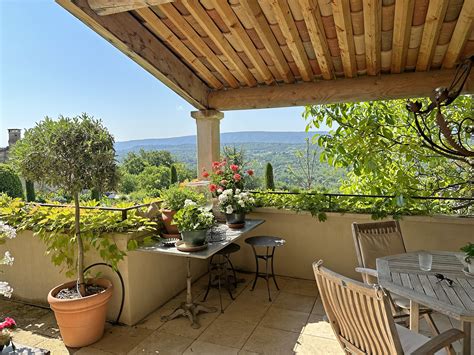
(167, 217)
(81, 321)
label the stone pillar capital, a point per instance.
(207, 114)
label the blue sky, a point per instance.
(52, 64)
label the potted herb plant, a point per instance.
(73, 154)
(193, 222)
(469, 256)
(173, 200)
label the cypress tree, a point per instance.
(269, 181)
(30, 191)
(174, 175)
(95, 194)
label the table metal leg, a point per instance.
(189, 308)
(466, 343)
(414, 316)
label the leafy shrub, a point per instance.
(192, 217)
(174, 197)
(10, 182)
(55, 227)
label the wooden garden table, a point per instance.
(190, 308)
(401, 275)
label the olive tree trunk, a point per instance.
(80, 247)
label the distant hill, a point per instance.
(226, 139)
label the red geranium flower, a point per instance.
(205, 174)
(8, 323)
(250, 172)
(216, 165)
(219, 172)
(234, 167)
(237, 177)
(213, 187)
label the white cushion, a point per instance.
(411, 341)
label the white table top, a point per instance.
(401, 275)
(221, 231)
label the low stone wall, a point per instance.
(152, 279)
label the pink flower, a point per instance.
(237, 177)
(216, 165)
(205, 174)
(234, 167)
(213, 187)
(219, 172)
(250, 172)
(224, 182)
(8, 323)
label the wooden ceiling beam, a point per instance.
(162, 31)
(372, 35)
(195, 39)
(128, 35)
(368, 88)
(208, 25)
(237, 30)
(401, 34)
(261, 26)
(434, 21)
(461, 33)
(312, 18)
(290, 32)
(342, 18)
(108, 7)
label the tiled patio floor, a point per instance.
(292, 323)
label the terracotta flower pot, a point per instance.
(81, 321)
(167, 217)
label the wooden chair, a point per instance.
(362, 321)
(376, 240)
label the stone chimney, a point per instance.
(14, 135)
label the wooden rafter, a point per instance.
(239, 33)
(161, 30)
(372, 35)
(366, 88)
(342, 18)
(401, 33)
(290, 32)
(206, 23)
(312, 18)
(461, 33)
(183, 26)
(128, 35)
(261, 26)
(108, 7)
(434, 21)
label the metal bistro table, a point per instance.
(220, 232)
(401, 275)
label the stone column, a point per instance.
(208, 138)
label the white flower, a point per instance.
(5, 289)
(219, 191)
(229, 209)
(241, 203)
(237, 191)
(7, 259)
(189, 202)
(7, 231)
(222, 198)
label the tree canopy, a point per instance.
(385, 155)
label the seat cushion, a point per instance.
(411, 341)
(403, 302)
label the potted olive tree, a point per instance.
(72, 154)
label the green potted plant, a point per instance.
(72, 154)
(469, 256)
(173, 199)
(193, 222)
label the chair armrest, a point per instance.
(440, 341)
(367, 271)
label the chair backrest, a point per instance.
(359, 314)
(376, 240)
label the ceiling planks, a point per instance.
(290, 32)
(434, 21)
(312, 18)
(372, 35)
(203, 19)
(401, 33)
(108, 7)
(342, 19)
(461, 33)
